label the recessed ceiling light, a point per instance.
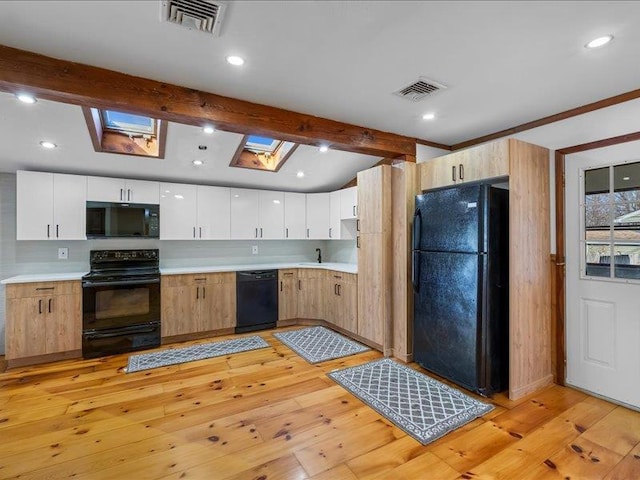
(599, 42)
(324, 148)
(300, 174)
(179, 197)
(208, 129)
(46, 144)
(428, 116)
(198, 162)
(235, 60)
(276, 202)
(26, 98)
(626, 178)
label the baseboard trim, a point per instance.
(515, 394)
(197, 335)
(312, 322)
(38, 359)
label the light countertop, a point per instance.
(57, 277)
(338, 267)
(44, 277)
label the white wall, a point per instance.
(424, 153)
(26, 257)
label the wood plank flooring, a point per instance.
(268, 414)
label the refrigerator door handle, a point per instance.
(415, 271)
(416, 240)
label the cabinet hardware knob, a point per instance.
(358, 241)
(307, 233)
(45, 288)
(48, 231)
(50, 304)
(122, 194)
(330, 232)
(197, 293)
(194, 232)
(286, 232)
(57, 231)
(260, 232)
(200, 231)
(299, 284)
(461, 172)
(39, 306)
(204, 292)
(354, 210)
(129, 194)
(453, 173)
(280, 285)
(357, 225)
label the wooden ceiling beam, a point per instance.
(89, 86)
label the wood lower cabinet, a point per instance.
(199, 303)
(311, 293)
(43, 318)
(287, 294)
(342, 300)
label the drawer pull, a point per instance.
(288, 274)
(199, 279)
(337, 276)
(50, 304)
(39, 306)
(45, 288)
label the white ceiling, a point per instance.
(505, 63)
(23, 126)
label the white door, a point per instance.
(142, 191)
(318, 207)
(603, 299)
(244, 214)
(178, 211)
(69, 207)
(214, 214)
(271, 215)
(349, 203)
(295, 215)
(103, 189)
(334, 215)
(34, 202)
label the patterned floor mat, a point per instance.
(173, 356)
(423, 407)
(318, 344)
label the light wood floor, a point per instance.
(268, 414)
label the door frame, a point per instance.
(559, 263)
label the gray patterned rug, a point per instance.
(423, 407)
(318, 344)
(173, 356)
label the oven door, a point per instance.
(98, 343)
(112, 305)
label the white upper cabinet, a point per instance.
(50, 206)
(178, 204)
(213, 213)
(103, 189)
(244, 213)
(318, 213)
(334, 215)
(271, 215)
(295, 216)
(349, 203)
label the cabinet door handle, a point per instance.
(50, 300)
(357, 225)
(461, 172)
(202, 279)
(307, 233)
(57, 231)
(204, 292)
(330, 232)
(260, 232)
(299, 284)
(39, 306)
(280, 285)
(354, 210)
(122, 194)
(128, 194)
(335, 288)
(200, 231)
(286, 232)
(197, 293)
(453, 173)
(194, 232)
(358, 241)
(339, 292)
(45, 288)
(48, 231)
(256, 232)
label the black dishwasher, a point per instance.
(257, 300)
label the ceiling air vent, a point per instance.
(420, 89)
(202, 15)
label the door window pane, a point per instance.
(626, 221)
(597, 222)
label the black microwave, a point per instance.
(114, 220)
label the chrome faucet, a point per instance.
(319, 255)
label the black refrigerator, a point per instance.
(461, 286)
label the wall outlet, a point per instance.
(254, 250)
(63, 253)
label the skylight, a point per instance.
(256, 143)
(127, 122)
